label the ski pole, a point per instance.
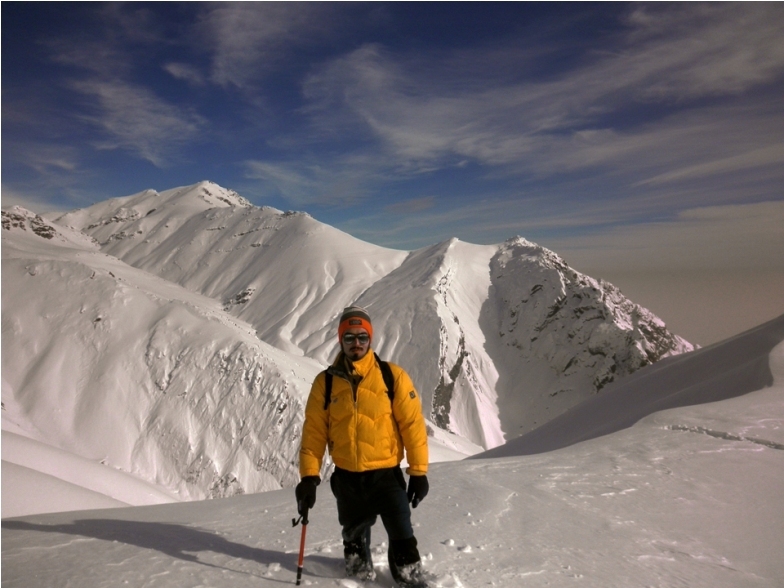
(295, 522)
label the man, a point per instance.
(367, 428)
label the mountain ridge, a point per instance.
(189, 324)
(212, 241)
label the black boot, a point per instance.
(359, 563)
(405, 563)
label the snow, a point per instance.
(732, 368)
(35, 473)
(158, 349)
(684, 497)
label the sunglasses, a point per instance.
(362, 338)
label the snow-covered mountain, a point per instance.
(113, 364)
(499, 339)
(173, 336)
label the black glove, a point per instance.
(417, 489)
(306, 493)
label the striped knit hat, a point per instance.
(354, 316)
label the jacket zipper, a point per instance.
(354, 392)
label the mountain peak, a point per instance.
(518, 241)
(224, 195)
(208, 192)
(519, 247)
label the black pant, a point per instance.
(362, 496)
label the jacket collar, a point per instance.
(366, 364)
(362, 367)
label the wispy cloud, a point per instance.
(739, 237)
(772, 155)
(113, 39)
(734, 237)
(185, 72)
(102, 69)
(135, 119)
(30, 201)
(47, 158)
(284, 178)
(250, 39)
(668, 58)
(58, 169)
(568, 130)
(412, 206)
(337, 181)
(696, 50)
(484, 220)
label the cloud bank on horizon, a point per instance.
(583, 127)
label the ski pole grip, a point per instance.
(303, 518)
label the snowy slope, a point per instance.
(35, 474)
(107, 367)
(731, 368)
(283, 272)
(118, 366)
(685, 497)
(499, 339)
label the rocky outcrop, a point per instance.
(584, 332)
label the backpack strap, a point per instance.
(327, 388)
(386, 373)
(389, 378)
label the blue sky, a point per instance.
(619, 135)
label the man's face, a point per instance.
(355, 343)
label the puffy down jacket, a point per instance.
(361, 427)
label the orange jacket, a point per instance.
(364, 431)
